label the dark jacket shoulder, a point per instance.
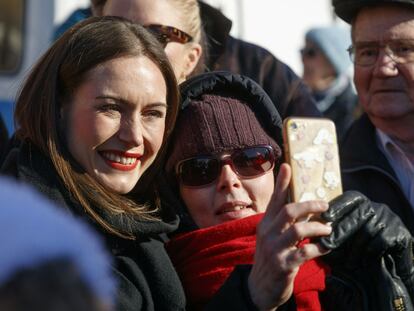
(366, 169)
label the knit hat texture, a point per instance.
(333, 42)
(213, 124)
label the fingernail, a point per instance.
(328, 226)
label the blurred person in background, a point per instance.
(211, 47)
(49, 261)
(327, 71)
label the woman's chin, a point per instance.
(117, 184)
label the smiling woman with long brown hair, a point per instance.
(92, 119)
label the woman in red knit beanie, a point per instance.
(237, 229)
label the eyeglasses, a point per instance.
(308, 52)
(247, 163)
(166, 34)
(366, 53)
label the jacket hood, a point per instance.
(215, 23)
(216, 28)
(333, 42)
(223, 82)
(230, 84)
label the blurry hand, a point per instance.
(278, 257)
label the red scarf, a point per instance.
(204, 259)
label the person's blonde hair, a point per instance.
(51, 84)
(189, 12)
(190, 15)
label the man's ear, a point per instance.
(193, 56)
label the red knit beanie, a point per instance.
(213, 124)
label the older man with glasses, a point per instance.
(378, 152)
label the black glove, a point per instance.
(372, 249)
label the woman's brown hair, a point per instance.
(51, 84)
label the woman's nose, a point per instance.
(130, 132)
(228, 178)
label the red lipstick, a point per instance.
(109, 157)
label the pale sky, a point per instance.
(279, 26)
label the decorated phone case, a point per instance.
(311, 149)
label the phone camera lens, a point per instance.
(293, 126)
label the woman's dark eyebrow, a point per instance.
(128, 103)
(156, 104)
(114, 98)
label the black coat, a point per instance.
(366, 169)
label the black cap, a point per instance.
(348, 9)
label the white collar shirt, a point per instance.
(400, 162)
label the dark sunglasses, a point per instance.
(166, 34)
(308, 52)
(247, 163)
